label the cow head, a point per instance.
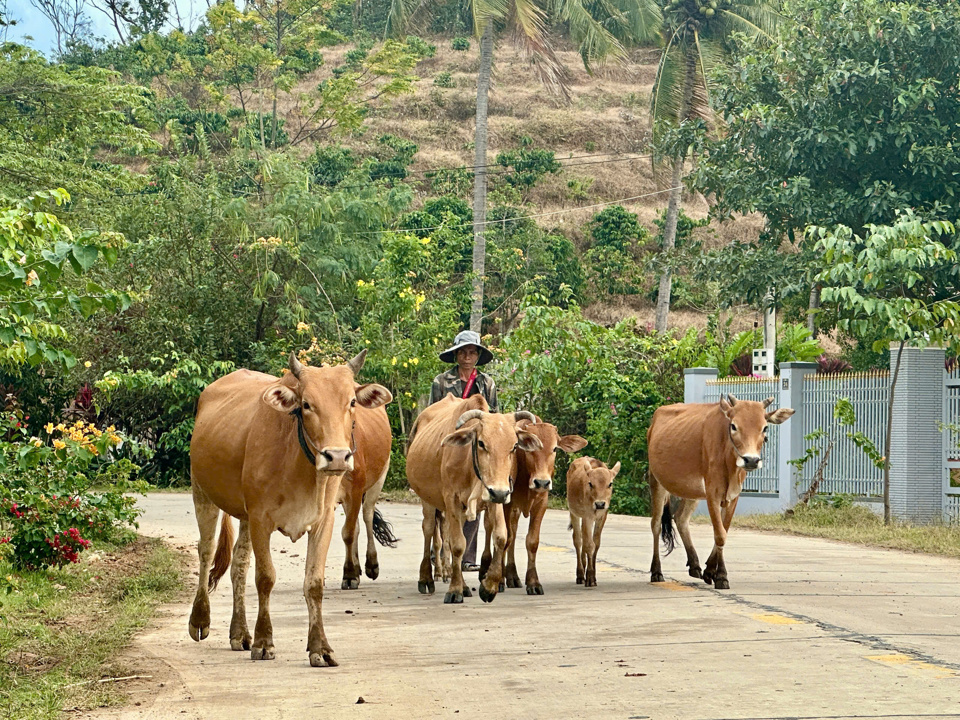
(599, 487)
(747, 427)
(539, 463)
(327, 398)
(494, 439)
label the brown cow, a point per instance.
(703, 451)
(531, 491)
(589, 488)
(462, 457)
(248, 457)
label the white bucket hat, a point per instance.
(464, 338)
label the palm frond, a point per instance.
(400, 16)
(642, 19)
(667, 96)
(754, 21)
(485, 11)
(529, 22)
(590, 27)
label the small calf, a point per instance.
(589, 487)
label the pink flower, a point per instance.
(589, 361)
(546, 352)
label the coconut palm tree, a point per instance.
(527, 18)
(695, 35)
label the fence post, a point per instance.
(695, 383)
(916, 451)
(791, 432)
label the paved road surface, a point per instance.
(810, 629)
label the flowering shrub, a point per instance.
(49, 509)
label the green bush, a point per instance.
(460, 44)
(615, 235)
(444, 80)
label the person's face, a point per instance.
(467, 357)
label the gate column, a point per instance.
(791, 432)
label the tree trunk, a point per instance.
(812, 308)
(669, 242)
(887, 441)
(480, 177)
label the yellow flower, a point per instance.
(111, 429)
(425, 241)
(405, 365)
(48, 427)
(115, 439)
(59, 444)
(61, 427)
(415, 361)
(302, 327)
(87, 363)
(393, 361)
(37, 443)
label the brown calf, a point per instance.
(703, 451)
(589, 487)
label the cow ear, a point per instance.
(615, 470)
(528, 441)
(778, 416)
(373, 396)
(725, 406)
(281, 398)
(463, 436)
(572, 443)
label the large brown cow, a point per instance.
(462, 457)
(248, 457)
(703, 451)
(531, 491)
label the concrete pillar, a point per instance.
(792, 445)
(695, 383)
(916, 450)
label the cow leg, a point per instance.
(453, 533)
(590, 571)
(510, 575)
(496, 527)
(487, 555)
(659, 497)
(266, 577)
(318, 544)
(207, 514)
(239, 634)
(597, 532)
(370, 497)
(351, 541)
(538, 509)
(425, 584)
(683, 527)
(577, 528)
(715, 571)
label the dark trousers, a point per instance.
(471, 528)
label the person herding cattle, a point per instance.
(272, 452)
(703, 451)
(589, 488)
(464, 381)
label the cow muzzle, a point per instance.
(750, 462)
(499, 497)
(541, 484)
(600, 505)
(335, 460)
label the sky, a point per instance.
(30, 22)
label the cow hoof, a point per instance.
(240, 643)
(486, 595)
(590, 582)
(199, 633)
(695, 572)
(708, 578)
(579, 579)
(452, 597)
(656, 577)
(373, 571)
(350, 584)
(721, 583)
(513, 582)
(263, 653)
(323, 659)
(502, 587)
(534, 589)
(467, 592)
(426, 588)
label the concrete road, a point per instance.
(809, 629)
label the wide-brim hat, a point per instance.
(467, 337)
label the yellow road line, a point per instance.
(905, 661)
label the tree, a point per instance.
(850, 117)
(131, 19)
(69, 19)
(60, 127)
(897, 279)
(695, 33)
(37, 252)
(528, 19)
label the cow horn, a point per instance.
(468, 416)
(357, 362)
(524, 415)
(768, 402)
(295, 367)
(731, 399)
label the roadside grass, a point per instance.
(860, 525)
(61, 631)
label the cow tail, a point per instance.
(224, 554)
(383, 531)
(666, 528)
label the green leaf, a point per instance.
(86, 255)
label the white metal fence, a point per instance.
(951, 445)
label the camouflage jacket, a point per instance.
(450, 382)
